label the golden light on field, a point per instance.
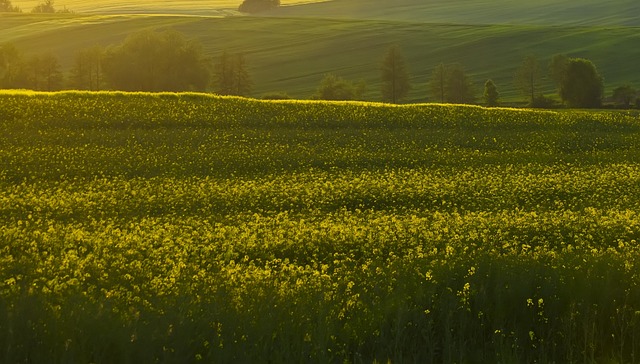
(201, 7)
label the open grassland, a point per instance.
(187, 227)
(542, 12)
(200, 7)
(291, 49)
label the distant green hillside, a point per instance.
(541, 12)
(292, 48)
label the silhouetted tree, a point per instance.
(491, 95)
(13, 72)
(86, 73)
(395, 77)
(333, 87)
(527, 78)
(45, 7)
(255, 6)
(459, 89)
(558, 68)
(7, 7)
(157, 61)
(438, 83)
(231, 75)
(581, 85)
(44, 72)
(449, 83)
(624, 95)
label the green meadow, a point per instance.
(291, 49)
(180, 228)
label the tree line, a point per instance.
(47, 6)
(168, 61)
(578, 83)
(144, 61)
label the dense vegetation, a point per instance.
(186, 227)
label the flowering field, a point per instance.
(184, 228)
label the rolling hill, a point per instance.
(291, 48)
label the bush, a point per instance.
(543, 102)
(333, 87)
(278, 95)
(256, 6)
(582, 86)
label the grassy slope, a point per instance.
(544, 12)
(292, 48)
(201, 7)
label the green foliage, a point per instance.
(87, 71)
(527, 78)
(43, 72)
(438, 83)
(333, 87)
(459, 87)
(558, 68)
(581, 85)
(231, 75)
(541, 101)
(491, 94)
(624, 95)
(13, 73)
(395, 76)
(276, 95)
(450, 84)
(185, 227)
(256, 6)
(157, 61)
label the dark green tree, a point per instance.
(438, 83)
(491, 94)
(333, 87)
(582, 86)
(527, 78)
(7, 7)
(256, 6)
(459, 88)
(558, 68)
(624, 95)
(231, 76)
(86, 73)
(44, 72)
(157, 61)
(395, 77)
